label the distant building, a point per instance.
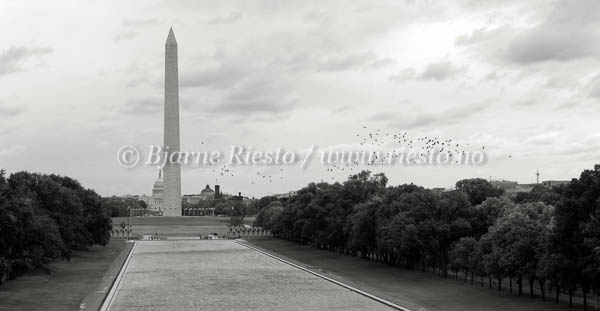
(522, 188)
(192, 208)
(206, 194)
(190, 202)
(239, 197)
(512, 187)
(438, 190)
(504, 184)
(285, 195)
(218, 193)
(554, 183)
(198, 211)
(155, 202)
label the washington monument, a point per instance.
(172, 171)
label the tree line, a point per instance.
(44, 217)
(548, 238)
(226, 207)
(123, 207)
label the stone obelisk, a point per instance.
(172, 170)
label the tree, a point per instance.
(264, 202)
(400, 237)
(577, 234)
(96, 217)
(120, 207)
(548, 236)
(463, 256)
(539, 193)
(361, 226)
(142, 204)
(43, 217)
(514, 238)
(478, 189)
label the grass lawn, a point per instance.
(189, 226)
(406, 287)
(67, 285)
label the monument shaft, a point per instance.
(172, 171)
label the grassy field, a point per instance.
(405, 287)
(178, 226)
(67, 285)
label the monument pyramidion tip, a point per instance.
(171, 37)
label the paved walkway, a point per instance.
(222, 275)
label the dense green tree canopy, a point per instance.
(478, 189)
(550, 236)
(43, 217)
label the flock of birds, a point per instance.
(259, 176)
(400, 144)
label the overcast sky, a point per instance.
(80, 79)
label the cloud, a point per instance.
(14, 150)
(142, 72)
(140, 22)
(492, 76)
(382, 116)
(12, 59)
(148, 105)
(318, 17)
(438, 71)
(482, 35)
(542, 139)
(11, 110)
(404, 75)
(550, 44)
(6, 129)
(561, 32)
(569, 32)
(489, 44)
(125, 35)
(593, 87)
(102, 144)
(219, 76)
(347, 62)
(485, 4)
(526, 102)
(381, 63)
(261, 95)
(566, 105)
(585, 146)
(151, 131)
(441, 71)
(231, 18)
(341, 109)
(448, 116)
